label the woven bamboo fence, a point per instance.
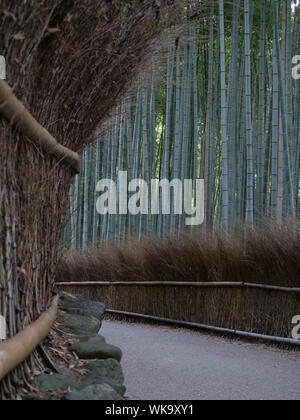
(249, 307)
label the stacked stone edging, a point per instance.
(103, 378)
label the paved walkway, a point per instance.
(162, 363)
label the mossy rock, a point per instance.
(105, 371)
(75, 305)
(95, 348)
(56, 382)
(81, 325)
(92, 338)
(100, 392)
(38, 397)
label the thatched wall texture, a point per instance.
(68, 61)
(270, 257)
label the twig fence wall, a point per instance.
(71, 91)
(20, 346)
(21, 303)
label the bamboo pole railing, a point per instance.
(15, 350)
(270, 338)
(183, 284)
(16, 114)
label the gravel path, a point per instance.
(162, 363)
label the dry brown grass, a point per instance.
(69, 62)
(270, 256)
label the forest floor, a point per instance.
(163, 363)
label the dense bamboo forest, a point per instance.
(221, 103)
(150, 171)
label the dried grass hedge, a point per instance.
(271, 257)
(69, 62)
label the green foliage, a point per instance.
(221, 104)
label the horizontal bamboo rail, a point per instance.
(182, 284)
(204, 327)
(16, 114)
(15, 350)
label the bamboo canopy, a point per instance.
(17, 349)
(16, 114)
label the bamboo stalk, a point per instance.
(224, 113)
(267, 287)
(150, 283)
(283, 110)
(17, 349)
(249, 128)
(184, 284)
(16, 114)
(208, 327)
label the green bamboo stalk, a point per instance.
(224, 180)
(275, 137)
(249, 134)
(283, 111)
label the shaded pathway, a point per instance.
(177, 364)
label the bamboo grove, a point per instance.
(219, 104)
